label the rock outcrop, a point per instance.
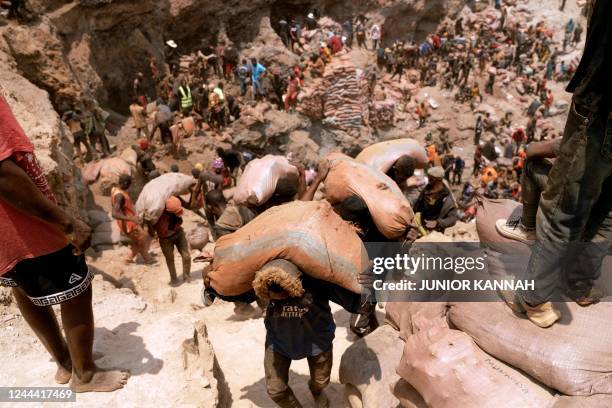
(47, 132)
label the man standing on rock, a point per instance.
(140, 119)
(41, 258)
(257, 73)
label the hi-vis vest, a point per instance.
(186, 101)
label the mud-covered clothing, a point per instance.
(574, 218)
(302, 327)
(442, 210)
(276, 367)
(168, 224)
(591, 83)
(233, 218)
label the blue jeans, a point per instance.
(574, 219)
(257, 89)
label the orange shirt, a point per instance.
(23, 236)
(128, 210)
(432, 154)
(488, 174)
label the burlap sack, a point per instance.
(97, 217)
(381, 156)
(258, 182)
(447, 368)
(369, 365)
(406, 316)
(574, 356)
(114, 167)
(198, 237)
(407, 395)
(308, 234)
(389, 208)
(594, 401)
(130, 156)
(152, 199)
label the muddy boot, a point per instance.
(543, 315)
(584, 293)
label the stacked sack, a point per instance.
(105, 231)
(481, 354)
(338, 98)
(309, 234)
(390, 210)
(381, 156)
(259, 179)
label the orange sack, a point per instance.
(389, 208)
(308, 234)
(381, 156)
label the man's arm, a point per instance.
(451, 217)
(351, 302)
(18, 189)
(546, 149)
(118, 214)
(309, 194)
(214, 178)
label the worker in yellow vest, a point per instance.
(185, 98)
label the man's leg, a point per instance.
(183, 247)
(320, 371)
(582, 274)
(276, 367)
(574, 187)
(43, 322)
(167, 248)
(78, 323)
(533, 181)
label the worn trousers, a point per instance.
(534, 179)
(178, 240)
(574, 218)
(276, 367)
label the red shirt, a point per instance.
(23, 236)
(168, 225)
(336, 44)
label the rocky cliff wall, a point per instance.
(35, 113)
(97, 46)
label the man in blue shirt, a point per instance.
(257, 73)
(302, 327)
(299, 324)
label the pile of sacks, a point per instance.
(338, 98)
(105, 231)
(479, 354)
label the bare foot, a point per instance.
(62, 376)
(101, 381)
